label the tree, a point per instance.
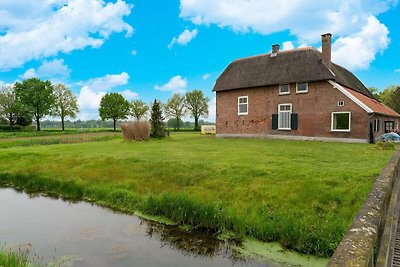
(391, 97)
(8, 104)
(66, 103)
(375, 92)
(139, 109)
(175, 108)
(113, 106)
(172, 123)
(197, 104)
(36, 98)
(157, 120)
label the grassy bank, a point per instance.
(15, 259)
(50, 132)
(303, 195)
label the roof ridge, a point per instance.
(280, 52)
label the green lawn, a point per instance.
(301, 194)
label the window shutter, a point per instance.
(294, 121)
(274, 121)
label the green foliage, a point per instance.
(157, 121)
(391, 97)
(66, 103)
(138, 109)
(375, 92)
(113, 106)
(16, 258)
(8, 104)
(36, 98)
(245, 186)
(385, 145)
(175, 108)
(197, 105)
(173, 123)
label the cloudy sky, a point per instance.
(153, 48)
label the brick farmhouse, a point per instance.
(298, 94)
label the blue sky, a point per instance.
(152, 48)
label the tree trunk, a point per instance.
(115, 121)
(62, 123)
(196, 123)
(177, 123)
(37, 124)
(10, 118)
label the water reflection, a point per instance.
(68, 233)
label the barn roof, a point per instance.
(291, 66)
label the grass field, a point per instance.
(301, 194)
(51, 132)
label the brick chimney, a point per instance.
(326, 49)
(275, 50)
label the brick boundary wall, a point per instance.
(370, 230)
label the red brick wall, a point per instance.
(313, 108)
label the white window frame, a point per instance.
(286, 111)
(341, 130)
(239, 104)
(284, 93)
(340, 103)
(301, 92)
(376, 125)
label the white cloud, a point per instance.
(288, 45)
(176, 84)
(134, 52)
(94, 89)
(345, 19)
(107, 82)
(54, 69)
(129, 95)
(212, 107)
(89, 99)
(358, 50)
(184, 38)
(43, 28)
(206, 76)
(29, 73)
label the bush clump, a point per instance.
(136, 131)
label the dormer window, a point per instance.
(284, 89)
(301, 87)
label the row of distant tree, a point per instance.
(115, 107)
(85, 124)
(34, 99)
(390, 96)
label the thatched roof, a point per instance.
(291, 66)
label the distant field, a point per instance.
(301, 194)
(50, 131)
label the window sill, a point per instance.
(301, 92)
(284, 93)
(340, 131)
(243, 114)
(284, 129)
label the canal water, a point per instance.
(63, 233)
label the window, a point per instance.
(341, 121)
(243, 105)
(301, 87)
(389, 126)
(377, 123)
(340, 104)
(284, 115)
(284, 89)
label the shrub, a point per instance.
(138, 130)
(385, 145)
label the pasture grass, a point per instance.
(301, 194)
(51, 132)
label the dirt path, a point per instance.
(61, 136)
